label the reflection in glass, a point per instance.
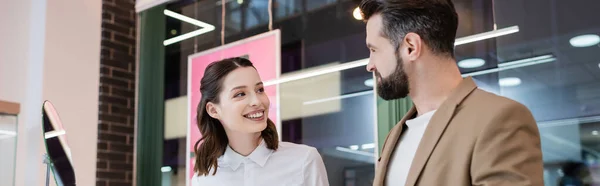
(341, 126)
(8, 144)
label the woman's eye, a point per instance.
(239, 94)
(261, 90)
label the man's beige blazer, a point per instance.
(474, 138)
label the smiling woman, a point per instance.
(232, 118)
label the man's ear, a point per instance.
(413, 46)
(212, 110)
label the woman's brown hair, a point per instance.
(214, 139)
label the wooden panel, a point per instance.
(9, 107)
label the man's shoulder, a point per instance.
(487, 101)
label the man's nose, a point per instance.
(370, 67)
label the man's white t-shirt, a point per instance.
(406, 148)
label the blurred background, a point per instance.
(544, 54)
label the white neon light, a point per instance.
(54, 133)
(317, 72)
(486, 35)
(471, 63)
(338, 97)
(166, 169)
(585, 40)
(509, 81)
(514, 64)
(205, 27)
(363, 153)
(368, 146)
(524, 61)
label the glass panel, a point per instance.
(8, 144)
(314, 4)
(287, 8)
(334, 114)
(257, 13)
(552, 71)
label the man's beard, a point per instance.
(394, 86)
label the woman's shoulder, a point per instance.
(296, 149)
(206, 179)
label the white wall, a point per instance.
(51, 50)
(21, 68)
(72, 74)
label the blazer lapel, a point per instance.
(436, 127)
(388, 148)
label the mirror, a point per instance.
(57, 149)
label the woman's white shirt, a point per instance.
(290, 165)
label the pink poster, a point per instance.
(264, 52)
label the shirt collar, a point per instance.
(260, 155)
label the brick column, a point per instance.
(117, 94)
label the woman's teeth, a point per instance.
(255, 115)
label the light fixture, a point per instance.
(509, 81)
(486, 35)
(354, 147)
(598, 65)
(471, 63)
(595, 133)
(165, 169)
(527, 61)
(205, 27)
(338, 97)
(369, 82)
(585, 40)
(357, 152)
(515, 64)
(240, 2)
(357, 14)
(10, 133)
(368, 146)
(317, 72)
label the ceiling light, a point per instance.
(595, 133)
(240, 2)
(471, 63)
(486, 35)
(509, 81)
(598, 65)
(357, 14)
(368, 146)
(354, 147)
(166, 169)
(205, 27)
(369, 82)
(585, 40)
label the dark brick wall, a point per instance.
(117, 94)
